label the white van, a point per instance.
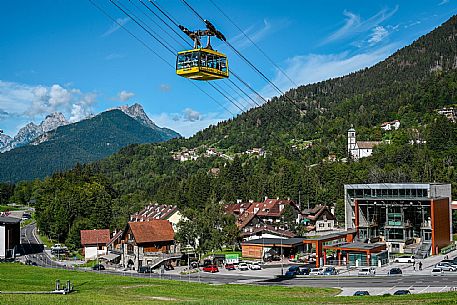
(405, 259)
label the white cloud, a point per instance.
(26, 101)
(181, 124)
(116, 26)
(254, 33)
(191, 115)
(443, 2)
(354, 24)
(377, 35)
(124, 96)
(317, 67)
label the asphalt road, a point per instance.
(34, 251)
(449, 280)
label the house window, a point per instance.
(129, 248)
(321, 225)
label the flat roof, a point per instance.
(9, 220)
(357, 246)
(269, 241)
(331, 235)
(406, 199)
(298, 240)
(392, 185)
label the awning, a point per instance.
(109, 257)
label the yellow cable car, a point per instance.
(202, 63)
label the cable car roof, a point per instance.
(203, 50)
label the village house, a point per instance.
(148, 243)
(95, 243)
(450, 113)
(256, 151)
(159, 211)
(257, 219)
(394, 125)
(320, 218)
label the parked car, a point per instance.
(26, 216)
(98, 267)
(290, 274)
(405, 259)
(402, 292)
(255, 266)
(395, 271)
(145, 269)
(445, 266)
(243, 267)
(294, 269)
(437, 271)
(330, 271)
(211, 268)
(316, 271)
(450, 262)
(304, 270)
(369, 271)
(58, 249)
(361, 293)
(230, 267)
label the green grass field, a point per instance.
(92, 288)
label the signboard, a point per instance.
(231, 259)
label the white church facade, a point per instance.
(359, 149)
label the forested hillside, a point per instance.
(409, 86)
(86, 141)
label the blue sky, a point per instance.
(67, 56)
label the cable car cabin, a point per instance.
(202, 64)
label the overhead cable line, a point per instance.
(253, 43)
(154, 52)
(246, 60)
(154, 35)
(169, 17)
(172, 20)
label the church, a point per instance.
(359, 149)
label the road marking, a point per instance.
(424, 289)
(443, 288)
(387, 291)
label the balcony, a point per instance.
(426, 225)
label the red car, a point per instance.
(230, 267)
(211, 268)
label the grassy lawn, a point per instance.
(92, 288)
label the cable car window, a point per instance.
(181, 60)
(203, 58)
(194, 59)
(211, 61)
(222, 64)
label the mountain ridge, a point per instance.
(81, 142)
(34, 134)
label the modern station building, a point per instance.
(409, 217)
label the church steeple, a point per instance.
(351, 140)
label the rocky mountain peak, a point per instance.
(52, 121)
(136, 111)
